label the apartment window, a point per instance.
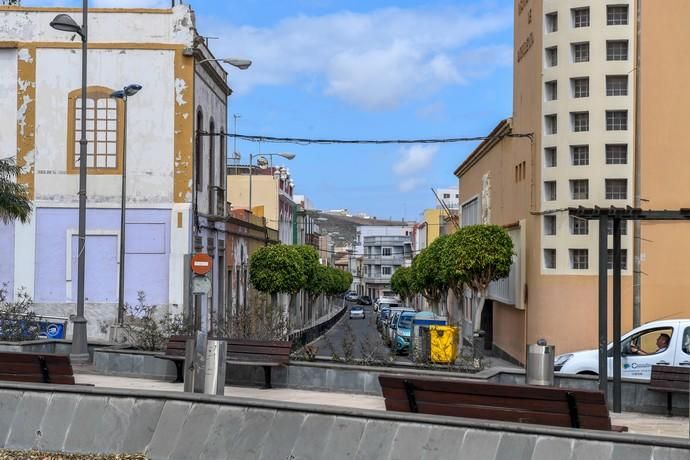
(550, 157)
(624, 259)
(616, 189)
(580, 52)
(579, 189)
(549, 258)
(446, 195)
(616, 15)
(549, 225)
(386, 270)
(104, 123)
(552, 56)
(386, 251)
(580, 17)
(617, 50)
(624, 227)
(616, 154)
(551, 124)
(580, 87)
(579, 259)
(580, 121)
(616, 120)
(579, 226)
(470, 213)
(199, 152)
(579, 154)
(550, 190)
(551, 90)
(552, 22)
(616, 85)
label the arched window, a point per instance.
(211, 168)
(104, 131)
(222, 165)
(198, 150)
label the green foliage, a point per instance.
(337, 281)
(14, 199)
(402, 282)
(315, 276)
(18, 322)
(428, 276)
(278, 268)
(477, 255)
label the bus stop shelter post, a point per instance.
(617, 315)
(603, 307)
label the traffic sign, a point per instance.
(201, 263)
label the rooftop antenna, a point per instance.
(445, 208)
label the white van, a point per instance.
(641, 348)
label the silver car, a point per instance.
(357, 312)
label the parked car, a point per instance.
(357, 312)
(664, 342)
(384, 300)
(351, 297)
(403, 332)
(381, 317)
(391, 324)
(365, 300)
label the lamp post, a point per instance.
(65, 23)
(124, 94)
(242, 64)
(263, 164)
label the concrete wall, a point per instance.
(188, 426)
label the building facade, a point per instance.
(172, 193)
(383, 250)
(595, 123)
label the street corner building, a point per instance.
(598, 120)
(175, 170)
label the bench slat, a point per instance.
(257, 357)
(261, 343)
(237, 349)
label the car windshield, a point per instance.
(405, 321)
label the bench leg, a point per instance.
(178, 368)
(267, 378)
(669, 404)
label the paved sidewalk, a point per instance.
(676, 427)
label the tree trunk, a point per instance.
(479, 302)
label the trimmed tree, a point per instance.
(14, 199)
(427, 274)
(277, 268)
(403, 284)
(475, 256)
(314, 280)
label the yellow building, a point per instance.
(598, 94)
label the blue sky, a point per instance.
(359, 69)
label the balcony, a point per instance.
(377, 259)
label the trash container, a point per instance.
(444, 344)
(540, 359)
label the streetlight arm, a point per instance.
(241, 64)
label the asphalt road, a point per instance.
(355, 337)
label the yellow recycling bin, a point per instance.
(444, 344)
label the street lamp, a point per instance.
(261, 161)
(242, 64)
(65, 23)
(124, 93)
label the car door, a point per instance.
(683, 348)
(639, 365)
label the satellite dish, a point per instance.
(262, 162)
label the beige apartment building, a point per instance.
(600, 87)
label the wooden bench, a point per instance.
(175, 352)
(669, 380)
(267, 354)
(36, 368)
(510, 403)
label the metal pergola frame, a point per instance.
(617, 215)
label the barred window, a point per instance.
(616, 189)
(580, 87)
(616, 120)
(616, 85)
(552, 22)
(579, 189)
(579, 155)
(550, 157)
(551, 56)
(549, 258)
(580, 17)
(624, 227)
(551, 124)
(624, 259)
(617, 50)
(580, 121)
(580, 52)
(549, 225)
(550, 190)
(616, 154)
(616, 15)
(579, 259)
(579, 226)
(551, 90)
(103, 131)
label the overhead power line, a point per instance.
(306, 141)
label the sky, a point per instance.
(361, 69)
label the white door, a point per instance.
(683, 354)
(645, 349)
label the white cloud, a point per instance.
(414, 159)
(373, 60)
(409, 184)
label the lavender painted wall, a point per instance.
(147, 254)
(7, 256)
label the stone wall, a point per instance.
(189, 426)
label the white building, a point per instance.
(383, 250)
(175, 177)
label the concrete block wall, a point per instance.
(188, 426)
